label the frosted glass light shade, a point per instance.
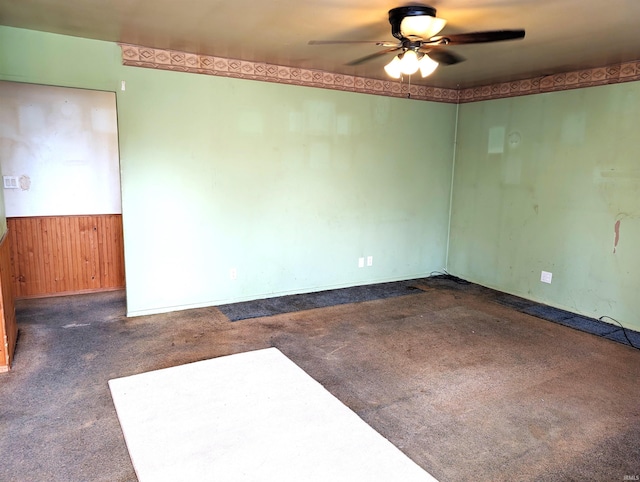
(427, 65)
(393, 68)
(423, 26)
(409, 63)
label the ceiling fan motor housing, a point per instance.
(397, 14)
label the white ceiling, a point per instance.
(561, 35)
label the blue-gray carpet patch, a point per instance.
(321, 299)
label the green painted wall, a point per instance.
(289, 185)
(541, 182)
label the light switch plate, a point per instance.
(10, 182)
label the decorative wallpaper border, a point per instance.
(611, 74)
(137, 56)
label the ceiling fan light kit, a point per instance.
(415, 21)
(409, 63)
(393, 68)
(427, 66)
(411, 17)
(416, 27)
(423, 27)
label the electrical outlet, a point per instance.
(233, 274)
(545, 277)
(369, 260)
(360, 262)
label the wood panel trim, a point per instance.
(70, 293)
(8, 326)
(56, 255)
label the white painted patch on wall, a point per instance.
(382, 110)
(296, 122)
(103, 120)
(70, 110)
(61, 150)
(343, 125)
(320, 117)
(496, 140)
(574, 127)
(31, 119)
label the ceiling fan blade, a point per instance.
(362, 60)
(380, 43)
(443, 57)
(477, 37)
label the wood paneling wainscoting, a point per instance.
(8, 327)
(56, 255)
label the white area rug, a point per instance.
(253, 416)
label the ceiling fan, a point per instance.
(416, 28)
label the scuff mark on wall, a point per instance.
(25, 182)
(616, 230)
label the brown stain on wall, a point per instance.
(616, 230)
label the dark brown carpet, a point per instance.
(468, 387)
